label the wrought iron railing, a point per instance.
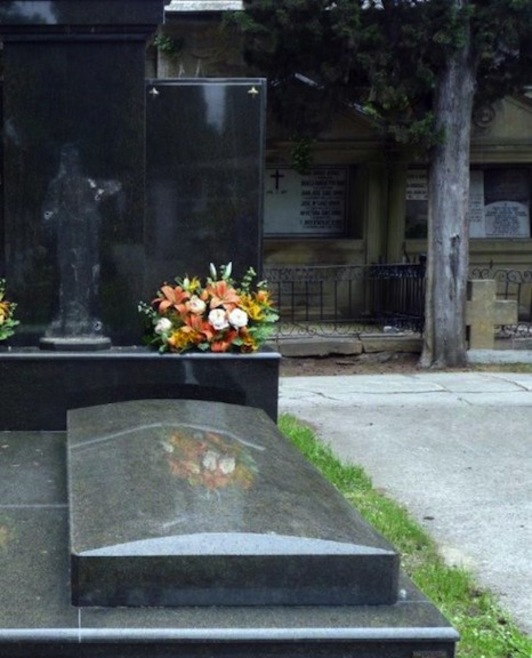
(348, 299)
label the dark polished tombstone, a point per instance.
(74, 164)
(204, 169)
(113, 185)
(193, 503)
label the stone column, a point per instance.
(396, 213)
(376, 209)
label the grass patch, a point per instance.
(503, 367)
(485, 630)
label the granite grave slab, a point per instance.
(37, 618)
(182, 502)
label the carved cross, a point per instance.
(484, 312)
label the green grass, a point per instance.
(485, 630)
(503, 367)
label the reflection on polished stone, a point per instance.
(203, 181)
(38, 13)
(183, 502)
(39, 386)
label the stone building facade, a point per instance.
(361, 204)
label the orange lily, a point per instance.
(197, 324)
(263, 297)
(224, 295)
(171, 297)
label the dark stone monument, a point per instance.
(186, 503)
(204, 170)
(113, 185)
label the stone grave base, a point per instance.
(39, 386)
(37, 617)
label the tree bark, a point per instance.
(444, 343)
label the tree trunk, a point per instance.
(444, 342)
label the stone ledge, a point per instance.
(317, 346)
(325, 346)
(391, 343)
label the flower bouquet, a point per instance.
(217, 316)
(7, 310)
(205, 459)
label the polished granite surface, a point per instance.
(39, 387)
(51, 13)
(38, 619)
(182, 502)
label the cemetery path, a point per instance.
(454, 447)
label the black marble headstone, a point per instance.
(200, 503)
(112, 184)
(204, 167)
(74, 164)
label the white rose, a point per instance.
(238, 318)
(218, 319)
(210, 460)
(163, 326)
(196, 305)
(227, 465)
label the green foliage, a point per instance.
(383, 55)
(169, 45)
(283, 39)
(301, 155)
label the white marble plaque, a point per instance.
(507, 219)
(417, 185)
(507, 199)
(499, 203)
(313, 204)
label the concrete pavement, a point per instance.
(454, 447)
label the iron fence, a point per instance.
(348, 299)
